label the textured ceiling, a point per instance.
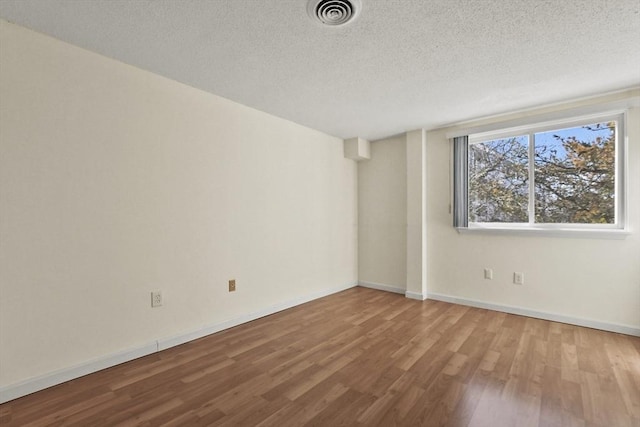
(403, 64)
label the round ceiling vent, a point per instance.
(333, 12)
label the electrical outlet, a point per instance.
(232, 285)
(488, 274)
(156, 299)
(518, 278)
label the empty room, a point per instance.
(320, 212)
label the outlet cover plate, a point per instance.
(156, 299)
(518, 278)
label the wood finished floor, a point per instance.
(363, 357)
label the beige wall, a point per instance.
(382, 214)
(115, 182)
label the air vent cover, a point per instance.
(333, 12)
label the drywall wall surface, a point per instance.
(115, 182)
(382, 214)
(593, 279)
(416, 215)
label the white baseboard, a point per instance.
(393, 288)
(175, 340)
(41, 382)
(415, 295)
(382, 287)
(554, 317)
(14, 391)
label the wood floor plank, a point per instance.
(362, 358)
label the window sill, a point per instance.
(611, 234)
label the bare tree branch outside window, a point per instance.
(574, 172)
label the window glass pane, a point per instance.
(575, 175)
(499, 180)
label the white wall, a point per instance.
(416, 214)
(382, 214)
(590, 279)
(115, 182)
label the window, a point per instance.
(551, 176)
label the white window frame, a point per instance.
(617, 230)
